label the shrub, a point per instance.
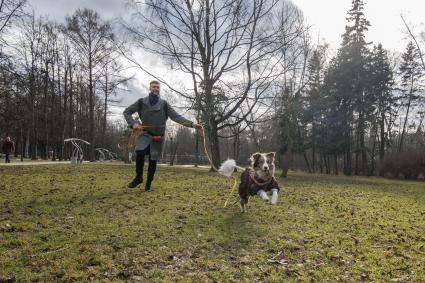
(408, 165)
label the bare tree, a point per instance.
(44, 93)
(110, 79)
(30, 49)
(414, 38)
(10, 10)
(93, 38)
(412, 78)
(228, 49)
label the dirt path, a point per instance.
(43, 162)
(24, 163)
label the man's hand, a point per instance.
(137, 127)
(198, 127)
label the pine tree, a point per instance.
(351, 85)
(381, 85)
(333, 139)
(411, 73)
(313, 101)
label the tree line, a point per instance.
(57, 81)
(356, 108)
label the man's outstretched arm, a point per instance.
(176, 117)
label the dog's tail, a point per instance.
(228, 167)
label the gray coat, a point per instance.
(155, 118)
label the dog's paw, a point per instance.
(274, 198)
(263, 195)
(243, 208)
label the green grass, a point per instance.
(79, 223)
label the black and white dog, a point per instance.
(255, 180)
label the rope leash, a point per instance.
(235, 181)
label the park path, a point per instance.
(25, 163)
(33, 163)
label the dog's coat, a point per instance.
(255, 180)
(248, 187)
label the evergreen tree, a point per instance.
(381, 84)
(411, 76)
(313, 102)
(350, 79)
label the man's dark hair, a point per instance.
(154, 82)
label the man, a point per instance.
(153, 112)
(8, 147)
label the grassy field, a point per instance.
(79, 223)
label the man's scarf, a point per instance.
(153, 98)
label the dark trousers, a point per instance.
(140, 161)
(7, 158)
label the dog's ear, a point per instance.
(254, 158)
(271, 155)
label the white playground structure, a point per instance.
(77, 151)
(105, 154)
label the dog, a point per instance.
(255, 180)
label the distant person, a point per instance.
(8, 148)
(153, 112)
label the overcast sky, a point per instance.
(59, 9)
(327, 17)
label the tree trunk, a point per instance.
(64, 114)
(348, 151)
(45, 152)
(173, 151)
(71, 103)
(313, 148)
(307, 162)
(91, 111)
(363, 147)
(372, 155)
(105, 108)
(382, 136)
(31, 139)
(400, 147)
(214, 144)
(336, 164)
(288, 161)
(22, 144)
(357, 151)
(327, 165)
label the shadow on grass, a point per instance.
(238, 231)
